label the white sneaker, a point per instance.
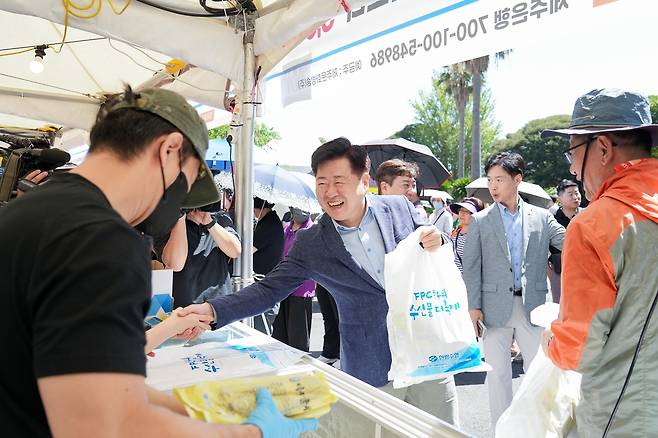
(336, 364)
(327, 360)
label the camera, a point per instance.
(21, 152)
(210, 208)
(216, 207)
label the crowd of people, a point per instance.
(77, 281)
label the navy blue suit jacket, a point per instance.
(319, 253)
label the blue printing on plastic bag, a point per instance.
(254, 353)
(450, 363)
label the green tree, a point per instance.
(545, 163)
(653, 102)
(263, 134)
(457, 187)
(436, 124)
(477, 68)
(458, 80)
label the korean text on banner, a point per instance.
(385, 37)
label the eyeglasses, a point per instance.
(567, 153)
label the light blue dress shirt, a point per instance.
(366, 244)
(514, 233)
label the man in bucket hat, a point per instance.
(609, 272)
(76, 281)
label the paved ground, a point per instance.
(472, 392)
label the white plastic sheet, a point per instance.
(216, 356)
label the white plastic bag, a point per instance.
(429, 330)
(545, 403)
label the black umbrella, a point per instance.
(432, 171)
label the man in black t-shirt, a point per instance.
(76, 280)
(268, 237)
(569, 197)
(209, 243)
(268, 251)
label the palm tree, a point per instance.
(458, 80)
(477, 67)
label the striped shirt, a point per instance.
(458, 240)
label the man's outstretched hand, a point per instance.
(204, 309)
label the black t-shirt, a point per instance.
(75, 289)
(562, 218)
(206, 265)
(556, 254)
(268, 239)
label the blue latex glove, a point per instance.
(272, 423)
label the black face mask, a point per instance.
(164, 217)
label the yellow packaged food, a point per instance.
(297, 396)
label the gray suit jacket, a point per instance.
(488, 268)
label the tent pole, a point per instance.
(244, 170)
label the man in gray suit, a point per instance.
(505, 261)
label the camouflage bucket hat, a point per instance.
(608, 110)
(174, 108)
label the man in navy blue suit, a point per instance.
(344, 253)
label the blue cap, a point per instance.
(608, 110)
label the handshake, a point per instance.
(184, 323)
(199, 316)
(188, 323)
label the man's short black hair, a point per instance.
(511, 162)
(127, 131)
(637, 138)
(342, 148)
(565, 184)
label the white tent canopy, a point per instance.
(213, 44)
(74, 81)
(115, 49)
(125, 43)
(69, 110)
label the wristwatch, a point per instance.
(209, 225)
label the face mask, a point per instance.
(437, 205)
(164, 217)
